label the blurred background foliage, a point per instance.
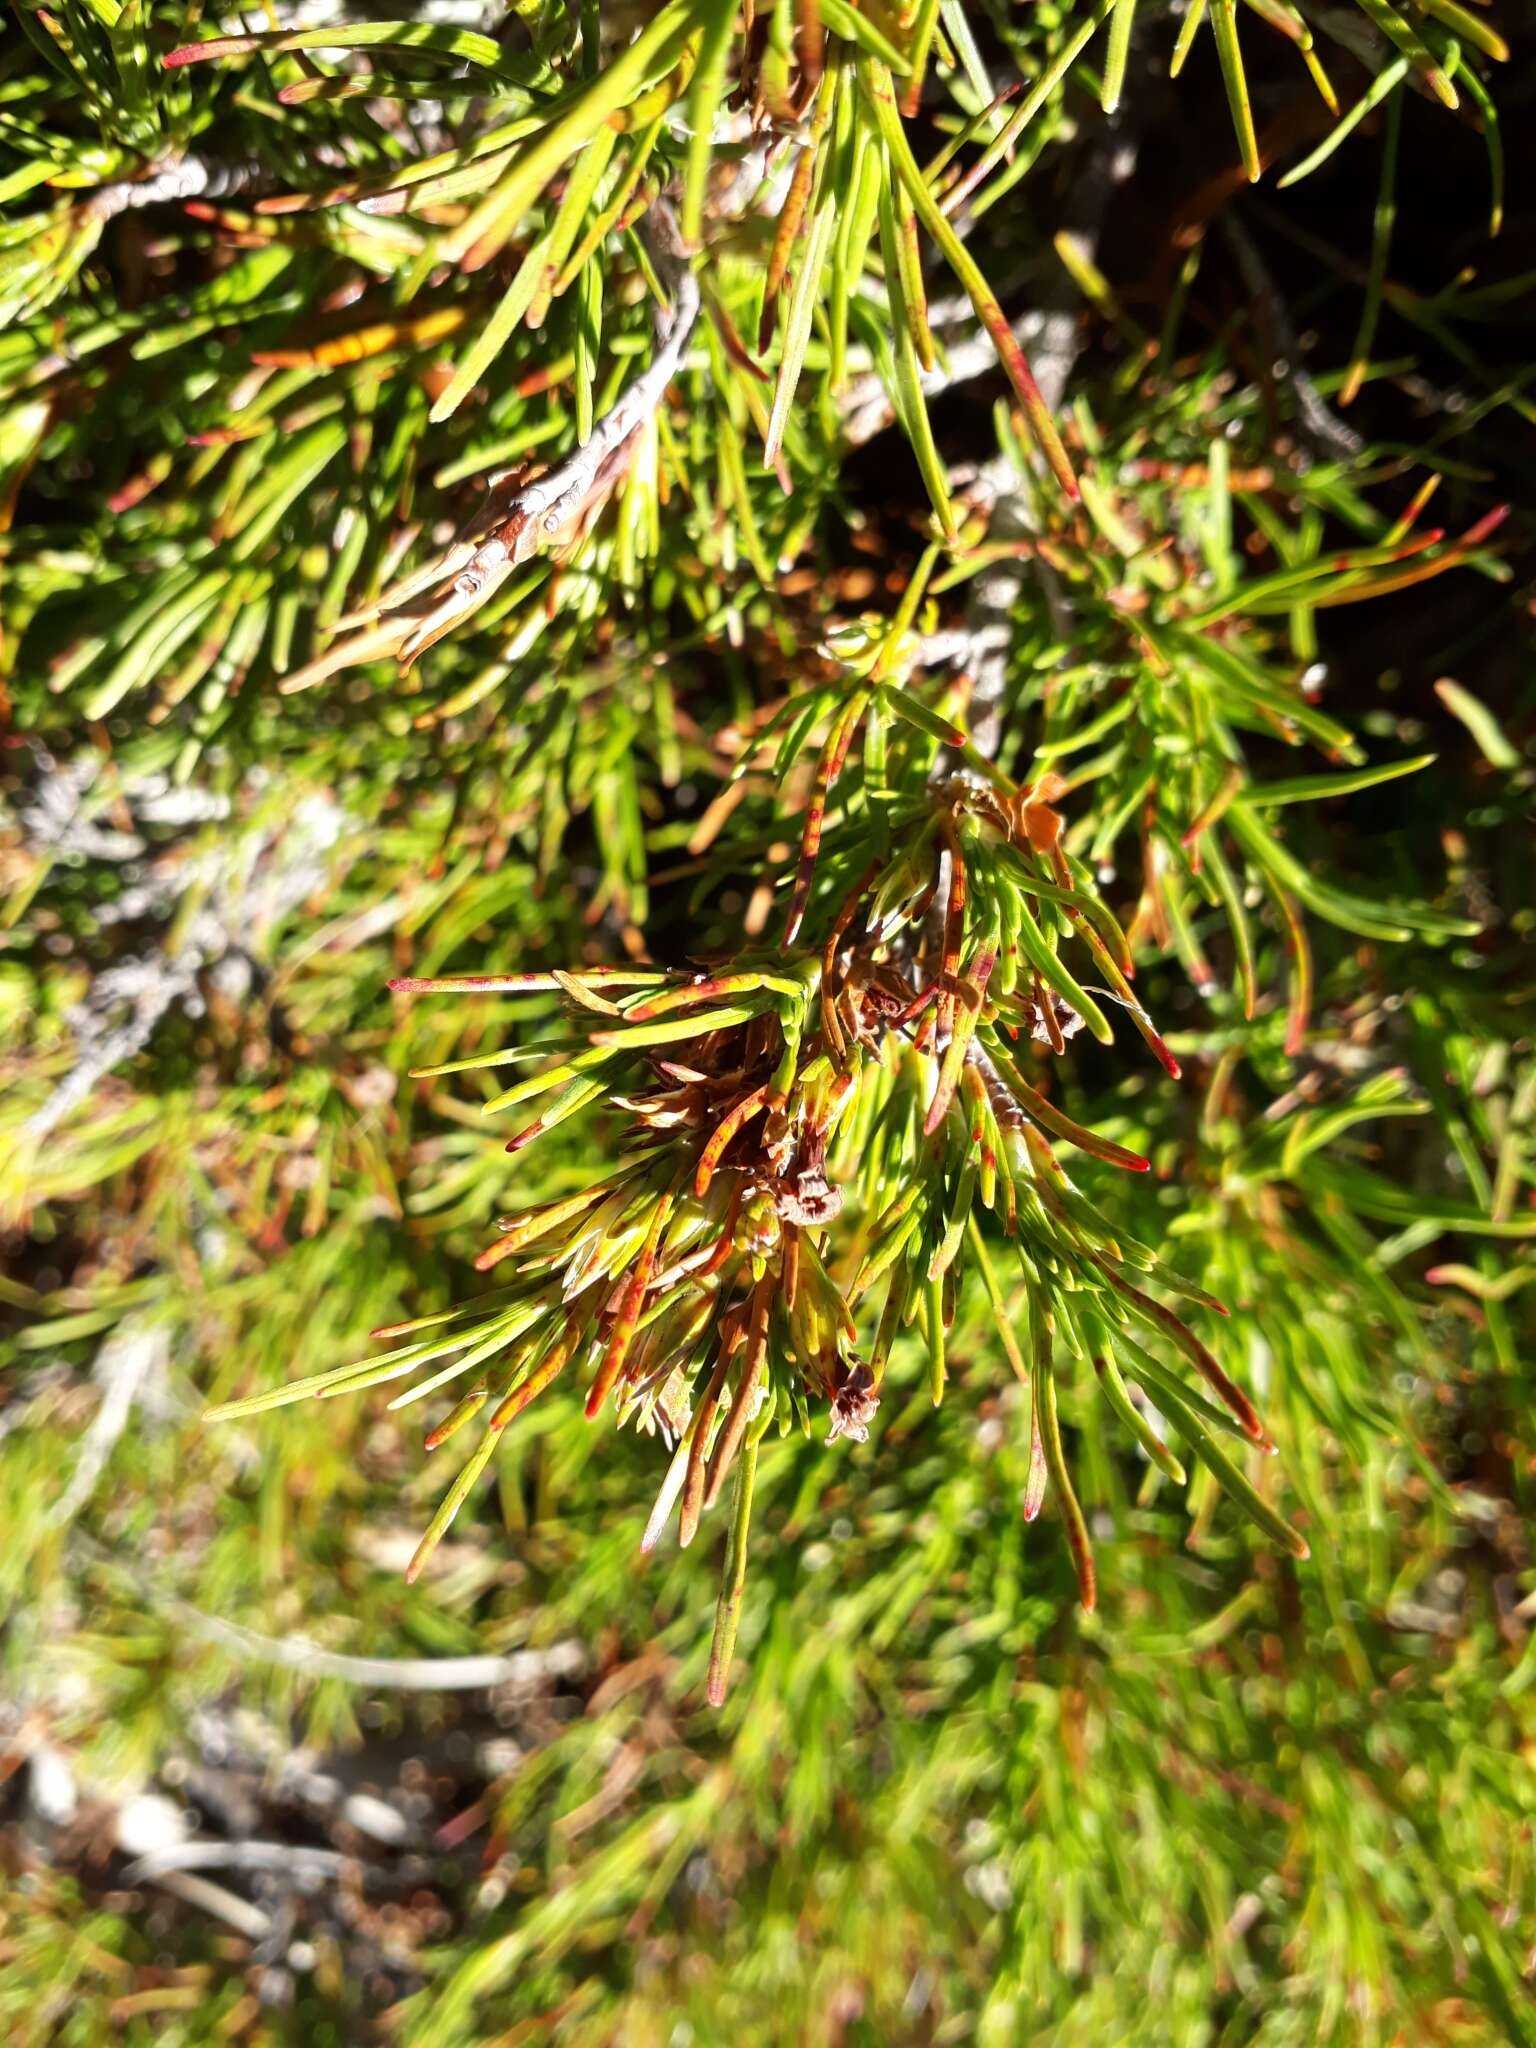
(256, 1787)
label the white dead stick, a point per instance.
(395, 1674)
(212, 1898)
(295, 1860)
(135, 1353)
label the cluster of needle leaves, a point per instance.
(440, 546)
(807, 1132)
(817, 1136)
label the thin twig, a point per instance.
(212, 1898)
(418, 612)
(294, 1860)
(135, 1353)
(395, 1674)
(191, 177)
(1321, 425)
(542, 509)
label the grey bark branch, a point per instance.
(191, 177)
(554, 500)
(520, 519)
(242, 887)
